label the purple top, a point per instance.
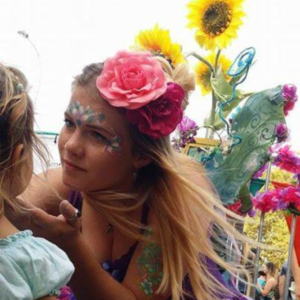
(118, 268)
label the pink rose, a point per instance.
(131, 79)
(159, 118)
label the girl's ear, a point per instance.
(140, 161)
(17, 154)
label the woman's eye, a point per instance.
(69, 123)
(98, 136)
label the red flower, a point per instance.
(288, 106)
(160, 117)
(236, 207)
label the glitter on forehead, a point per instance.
(84, 114)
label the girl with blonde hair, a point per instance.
(148, 213)
(30, 268)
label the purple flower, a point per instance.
(251, 213)
(281, 132)
(187, 125)
(289, 92)
(290, 97)
(298, 178)
(66, 294)
(187, 130)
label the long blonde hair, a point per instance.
(188, 210)
(16, 127)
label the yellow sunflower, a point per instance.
(216, 21)
(158, 41)
(203, 73)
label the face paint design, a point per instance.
(150, 267)
(114, 146)
(82, 114)
(101, 118)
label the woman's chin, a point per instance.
(74, 186)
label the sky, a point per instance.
(68, 35)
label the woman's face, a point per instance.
(265, 269)
(95, 145)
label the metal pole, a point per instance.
(260, 231)
(291, 247)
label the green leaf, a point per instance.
(222, 89)
(245, 199)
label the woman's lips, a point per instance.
(69, 166)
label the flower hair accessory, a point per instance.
(137, 82)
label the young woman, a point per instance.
(148, 213)
(266, 290)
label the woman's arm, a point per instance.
(268, 287)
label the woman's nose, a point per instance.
(74, 145)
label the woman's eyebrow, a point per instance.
(91, 125)
(98, 127)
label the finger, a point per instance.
(40, 217)
(70, 213)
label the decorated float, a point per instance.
(245, 132)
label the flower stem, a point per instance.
(210, 131)
(217, 60)
(212, 115)
(211, 68)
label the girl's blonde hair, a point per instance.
(187, 209)
(16, 127)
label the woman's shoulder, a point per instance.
(46, 190)
(272, 282)
(32, 266)
(272, 279)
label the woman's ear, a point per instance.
(17, 154)
(140, 161)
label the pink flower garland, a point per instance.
(287, 160)
(278, 199)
